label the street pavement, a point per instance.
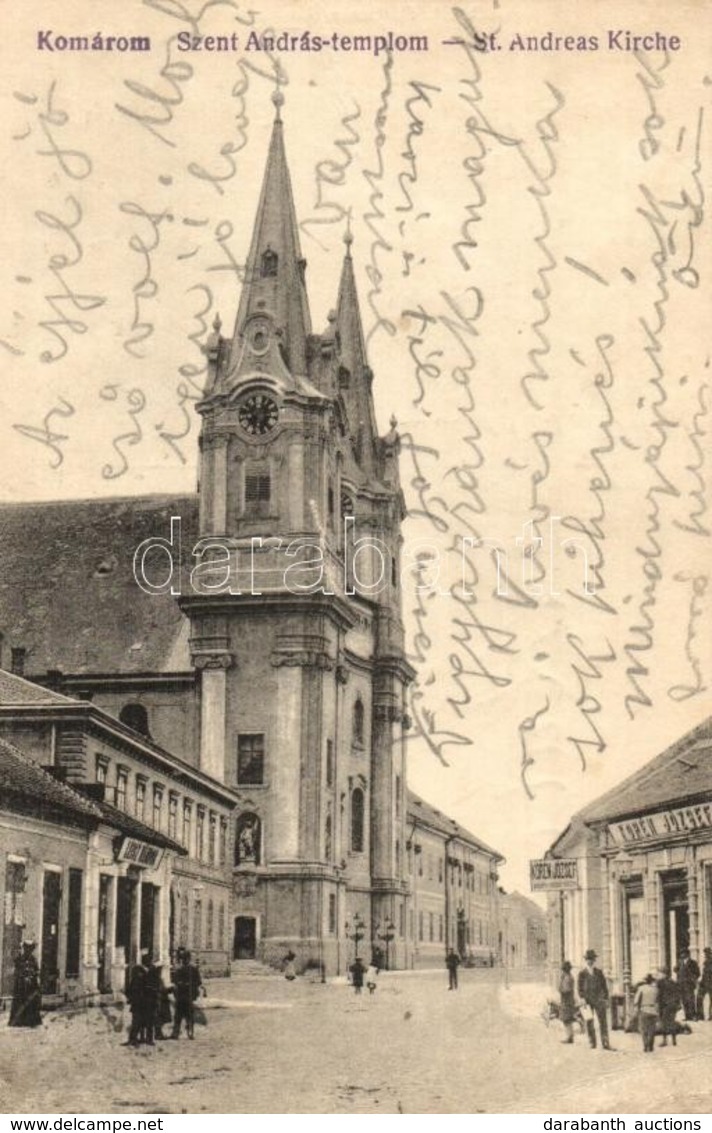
(271, 1046)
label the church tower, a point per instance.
(295, 611)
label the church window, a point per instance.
(347, 504)
(332, 913)
(329, 763)
(357, 820)
(330, 503)
(394, 572)
(327, 839)
(398, 859)
(398, 796)
(358, 722)
(248, 836)
(250, 759)
(270, 261)
(258, 493)
(135, 716)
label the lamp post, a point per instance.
(356, 931)
(386, 934)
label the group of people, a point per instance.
(360, 975)
(657, 999)
(149, 999)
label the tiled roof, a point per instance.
(418, 809)
(67, 591)
(683, 771)
(134, 828)
(20, 777)
(17, 690)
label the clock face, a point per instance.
(258, 414)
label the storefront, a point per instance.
(644, 852)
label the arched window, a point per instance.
(135, 716)
(357, 824)
(358, 722)
(248, 837)
(270, 260)
(328, 851)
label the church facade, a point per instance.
(271, 657)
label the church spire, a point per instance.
(274, 276)
(356, 376)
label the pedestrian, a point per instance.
(358, 970)
(136, 996)
(290, 972)
(688, 975)
(372, 977)
(567, 1008)
(593, 990)
(669, 1005)
(157, 1009)
(452, 962)
(705, 986)
(647, 1001)
(25, 1010)
(187, 983)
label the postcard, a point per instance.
(355, 622)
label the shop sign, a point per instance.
(139, 853)
(664, 824)
(553, 873)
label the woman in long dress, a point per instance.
(27, 996)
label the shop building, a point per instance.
(644, 851)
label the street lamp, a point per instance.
(356, 931)
(386, 934)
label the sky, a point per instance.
(527, 195)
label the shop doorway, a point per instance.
(676, 917)
(102, 939)
(149, 904)
(245, 942)
(13, 922)
(636, 937)
(51, 897)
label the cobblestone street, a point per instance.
(275, 1047)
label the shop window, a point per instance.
(357, 820)
(250, 759)
(135, 716)
(248, 836)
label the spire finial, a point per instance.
(217, 323)
(348, 234)
(278, 100)
(393, 421)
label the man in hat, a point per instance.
(567, 1007)
(187, 983)
(687, 976)
(705, 986)
(137, 997)
(593, 990)
(26, 994)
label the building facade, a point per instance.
(261, 680)
(644, 891)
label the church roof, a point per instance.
(68, 595)
(428, 815)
